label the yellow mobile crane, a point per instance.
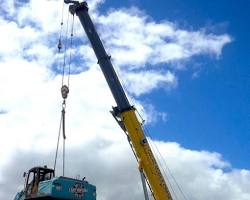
(124, 113)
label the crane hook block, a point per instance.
(64, 91)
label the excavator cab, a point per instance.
(34, 177)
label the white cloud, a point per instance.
(200, 42)
(44, 14)
(30, 99)
(204, 175)
(8, 7)
(14, 39)
(145, 81)
(200, 174)
(136, 41)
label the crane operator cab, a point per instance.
(41, 184)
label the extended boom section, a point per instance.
(124, 112)
(146, 159)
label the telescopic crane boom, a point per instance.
(124, 112)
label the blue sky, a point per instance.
(184, 64)
(210, 107)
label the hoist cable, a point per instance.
(168, 169)
(171, 174)
(63, 130)
(136, 157)
(65, 49)
(64, 87)
(130, 119)
(58, 139)
(63, 156)
(147, 133)
(62, 12)
(164, 172)
(143, 180)
(59, 46)
(71, 45)
(63, 120)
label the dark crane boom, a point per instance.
(81, 9)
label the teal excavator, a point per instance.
(41, 182)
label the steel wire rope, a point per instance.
(64, 136)
(163, 170)
(64, 87)
(159, 161)
(138, 162)
(58, 139)
(71, 45)
(59, 46)
(137, 159)
(117, 71)
(168, 182)
(155, 147)
(166, 166)
(65, 49)
(129, 117)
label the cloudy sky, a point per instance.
(184, 65)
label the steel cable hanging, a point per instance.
(57, 146)
(164, 162)
(59, 45)
(65, 49)
(171, 174)
(71, 46)
(164, 172)
(64, 87)
(159, 165)
(168, 169)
